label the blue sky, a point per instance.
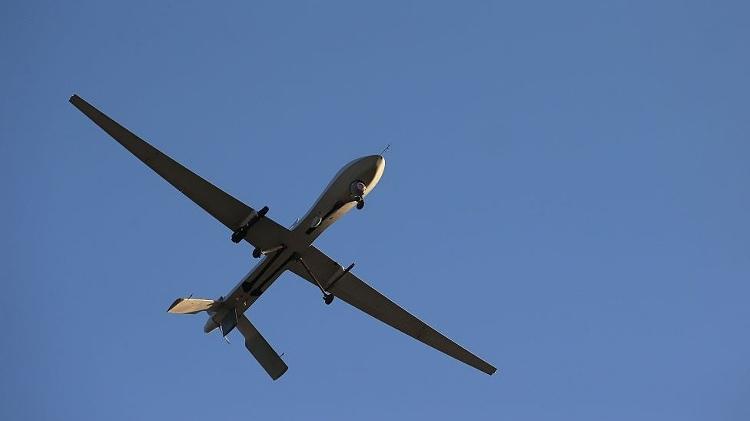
(566, 195)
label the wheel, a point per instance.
(328, 298)
(256, 253)
(360, 204)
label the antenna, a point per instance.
(386, 149)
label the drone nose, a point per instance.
(378, 163)
(377, 167)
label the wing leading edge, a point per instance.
(348, 287)
(222, 206)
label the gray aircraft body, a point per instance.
(281, 249)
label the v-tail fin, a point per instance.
(260, 348)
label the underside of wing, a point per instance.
(348, 287)
(222, 206)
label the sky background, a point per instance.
(567, 195)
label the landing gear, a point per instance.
(257, 253)
(327, 296)
(357, 190)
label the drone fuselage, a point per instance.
(341, 195)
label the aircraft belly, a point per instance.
(259, 280)
(249, 289)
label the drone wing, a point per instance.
(229, 211)
(348, 287)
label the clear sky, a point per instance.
(567, 195)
